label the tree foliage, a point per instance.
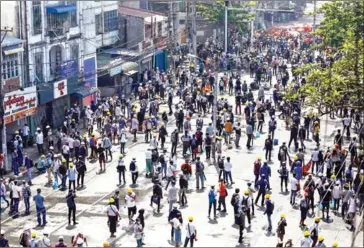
(340, 84)
(216, 13)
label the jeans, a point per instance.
(44, 214)
(210, 206)
(134, 177)
(72, 212)
(227, 176)
(15, 211)
(260, 193)
(139, 242)
(70, 182)
(222, 201)
(40, 149)
(269, 221)
(122, 147)
(80, 177)
(199, 176)
(121, 173)
(64, 179)
(293, 197)
(27, 205)
(191, 239)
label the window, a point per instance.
(73, 18)
(37, 17)
(59, 24)
(38, 72)
(98, 24)
(74, 54)
(159, 29)
(10, 66)
(110, 20)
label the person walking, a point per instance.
(133, 168)
(222, 196)
(113, 215)
(131, 203)
(268, 147)
(281, 229)
(70, 199)
(121, 169)
(138, 232)
(39, 206)
(26, 196)
(172, 195)
(227, 170)
(16, 198)
(72, 174)
(200, 175)
(81, 170)
(191, 232)
(262, 187)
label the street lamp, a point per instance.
(214, 108)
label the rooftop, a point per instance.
(138, 12)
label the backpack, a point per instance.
(272, 125)
(348, 175)
(92, 142)
(268, 143)
(132, 166)
(244, 203)
(234, 200)
(22, 240)
(193, 142)
(212, 196)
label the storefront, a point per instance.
(129, 79)
(18, 106)
(83, 96)
(60, 102)
(160, 60)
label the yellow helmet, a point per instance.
(246, 192)
(335, 244)
(16, 132)
(71, 165)
(295, 158)
(317, 219)
(320, 238)
(154, 135)
(34, 234)
(332, 177)
(162, 124)
(283, 215)
(147, 117)
(111, 200)
(121, 156)
(43, 156)
(306, 233)
(190, 218)
(267, 196)
(130, 190)
(64, 160)
(259, 158)
(93, 134)
(85, 136)
(106, 244)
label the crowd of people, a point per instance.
(334, 174)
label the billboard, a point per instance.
(69, 69)
(89, 71)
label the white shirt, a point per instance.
(130, 200)
(39, 138)
(176, 224)
(16, 190)
(191, 229)
(112, 210)
(227, 166)
(347, 121)
(117, 111)
(65, 149)
(305, 242)
(26, 130)
(170, 171)
(70, 142)
(148, 154)
(315, 156)
(293, 183)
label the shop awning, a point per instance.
(83, 91)
(129, 73)
(60, 9)
(127, 67)
(13, 51)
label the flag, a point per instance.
(306, 168)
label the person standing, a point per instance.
(72, 174)
(121, 169)
(16, 194)
(148, 163)
(262, 188)
(138, 232)
(200, 175)
(131, 203)
(81, 170)
(212, 200)
(314, 231)
(26, 195)
(304, 207)
(39, 139)
(237, 135)
(222, 196)
(71, 204)
(113, 215)
(102, 160)
(39, 206)
(269, 207)
(281, 229)
(177, 226)
(172, 195)
(191, 232)
(268, 146)
(107, 145)
(249, 133)
(227, 170)
(315, 160)
(133, 168)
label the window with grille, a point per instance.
(98, 24)
(38, 61)
(37, 17)
(10, 66)
(110, 20)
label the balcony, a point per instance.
(60, 19)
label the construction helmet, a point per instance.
(111, 200)
(306, 233)
(267, 196)
(320, 238)
(246, 192)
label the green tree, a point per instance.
(341, 84)
(216, 13)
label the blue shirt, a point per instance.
(39, 201)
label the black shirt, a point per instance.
(101, 151)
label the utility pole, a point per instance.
(2, 96)
(187, 24)
(194, 32)
(226, 25)
(170, 36)
(214, 114)
(314, 15)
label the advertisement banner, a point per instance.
(89, 71)
(68, 69)
(20, 104)
(60, 88)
